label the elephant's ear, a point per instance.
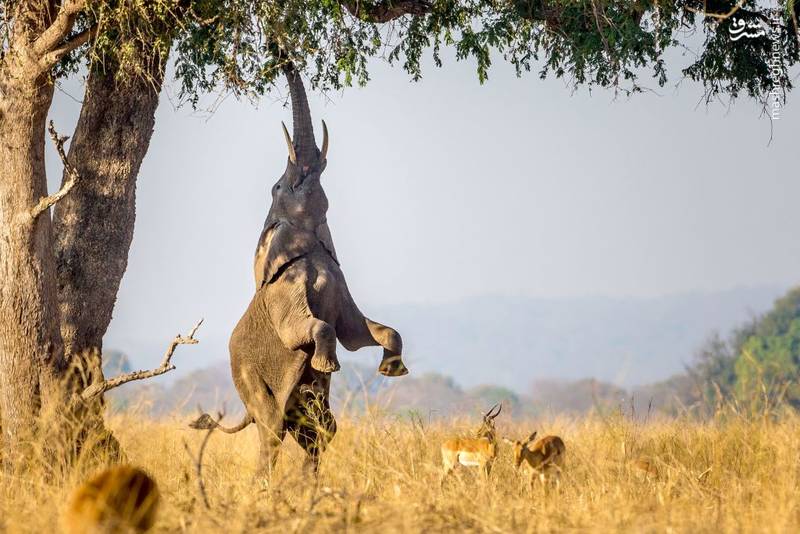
(279, 244)
(324, 236)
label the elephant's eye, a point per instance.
(277, 187)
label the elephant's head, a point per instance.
(297, 221)
(297, 196)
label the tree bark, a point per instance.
(63, 275)
(31, 349)
(94, 224)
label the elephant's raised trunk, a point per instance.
(304, 143)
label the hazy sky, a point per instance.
(445, 189)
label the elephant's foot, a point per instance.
(325, 364)
(392, 366)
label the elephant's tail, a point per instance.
(206, 422)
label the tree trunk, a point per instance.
(31, 350)
(92, 233)
(94, 224)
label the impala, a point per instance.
(645, 467)
(543, 459)
(479, 451)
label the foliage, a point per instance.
(239, 45)
(489, 395)
(730, 68)
(714, 369)
(760, 364)
(768, 365)
(127, 34)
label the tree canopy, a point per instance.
(239, 45)
(595, 43)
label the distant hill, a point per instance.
(570, 355)
(210, 388)
(115, 362)
(428, 396)
(514, 342)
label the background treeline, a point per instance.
(759, 364)
(755, 368)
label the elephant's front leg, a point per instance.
(356, 334)
(303, 332)
(324, 338)
(392, 361)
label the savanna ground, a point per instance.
(382, 473)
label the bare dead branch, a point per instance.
(60, 28)
(198, 462)
(166, 365)
(45, 203)
(51, 58)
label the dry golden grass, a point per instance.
(382, 473)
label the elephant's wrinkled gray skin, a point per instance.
(284, 347)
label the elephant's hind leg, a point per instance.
(267, 413)
(313, 426)
(367, 333)
(271, 437)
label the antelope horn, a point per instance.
(499, 409)
(489, 413)
(531, 437)
(292, 155)
(324, 152)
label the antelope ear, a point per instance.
(278, 246)
(531, 437)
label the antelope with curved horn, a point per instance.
(479, 451)
(543, 459)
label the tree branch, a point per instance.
(45, 203)
(718, 16)
(386, 10)
(600, 31)
(99, 388)
(51, 58)
(60, 27)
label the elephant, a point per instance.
(283, 350)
